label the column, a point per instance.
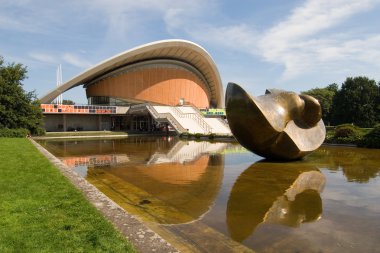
(64, 123)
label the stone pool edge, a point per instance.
(142, 238)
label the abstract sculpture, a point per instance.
(279, 125)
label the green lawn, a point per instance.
(40, 211)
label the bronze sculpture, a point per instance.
(279, 125)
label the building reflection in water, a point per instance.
(280, 193)
(171, 182)
(96, 160)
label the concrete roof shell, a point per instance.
(181, 50)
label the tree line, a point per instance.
(356, 102)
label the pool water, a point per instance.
(217, 197)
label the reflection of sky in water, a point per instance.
(244, 158)
(350, 199)
(357, 195)
(81, 170)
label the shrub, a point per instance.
(372, 139)
(344, 134)
(39, 131)
(211, 136)
(198, 135)
(186, 135)
(346, 131)
(14, 133)
(330, 132)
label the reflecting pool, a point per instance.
(217, 197)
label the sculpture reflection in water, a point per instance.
(170, 182)
(278, 125)
(286, 194)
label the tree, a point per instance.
(356, 102)
(378, 105)
(18, 108)
(325, 97)
(68, 102)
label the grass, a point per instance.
(41, 211)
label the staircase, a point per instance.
(166, 117)
(185, 119)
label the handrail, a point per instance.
(196, 109)
(174, 123)
(199, 114)
(219, 119)
(207, 127)
(152, 111)
(195, 117)
(167, 116)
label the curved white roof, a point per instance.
(181, 50)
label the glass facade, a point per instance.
(107, 101)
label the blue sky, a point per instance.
(293, 45)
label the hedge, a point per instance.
(372, 139)
(14, 133)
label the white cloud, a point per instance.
(71, 58)
(173, 19)
(12, 23)
(299, 43)
(43, 57)
(76, 60)
(239, 37)
(123, 16)
(187, 14)
(304, 41)
(313, 17)
(6, 22)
